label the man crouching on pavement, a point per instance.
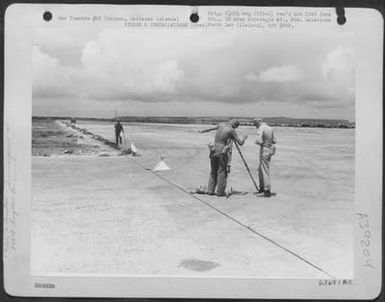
(219, 155)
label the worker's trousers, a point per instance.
(218, 174)
(118, 138)
(264, 169)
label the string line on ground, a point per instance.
(233, 219)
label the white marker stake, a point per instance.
(161, 165)
(134, 150)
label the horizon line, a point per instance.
(192, 116)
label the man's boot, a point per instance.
(220, 194)
(267, 193)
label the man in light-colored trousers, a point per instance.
(266, 141)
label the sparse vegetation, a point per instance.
(274, 121)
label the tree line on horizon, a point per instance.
(246, 121)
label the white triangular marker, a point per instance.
(161, 165)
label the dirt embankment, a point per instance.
(53, 138)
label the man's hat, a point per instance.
(257, 120)
(234, 123)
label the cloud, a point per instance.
(339, 70)
(281, 74)
(119, 65)
(194, 69)
(43, 63)
(119, 72)
(251, 77)
(46, 73)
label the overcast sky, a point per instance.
(100, 72)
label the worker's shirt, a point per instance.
(118, 128)
(223, 138)
(265, 135)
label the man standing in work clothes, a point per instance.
(266, 141)
(118, 131)
(219, 155)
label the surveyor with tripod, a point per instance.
(219, 155)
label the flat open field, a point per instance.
(113, 215)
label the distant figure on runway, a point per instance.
(266, 141)
(219, 155)
(118, 132)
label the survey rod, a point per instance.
(247, 167)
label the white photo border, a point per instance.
(22, 19)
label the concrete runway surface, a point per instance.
(113, 215)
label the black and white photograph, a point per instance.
(193, 153)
